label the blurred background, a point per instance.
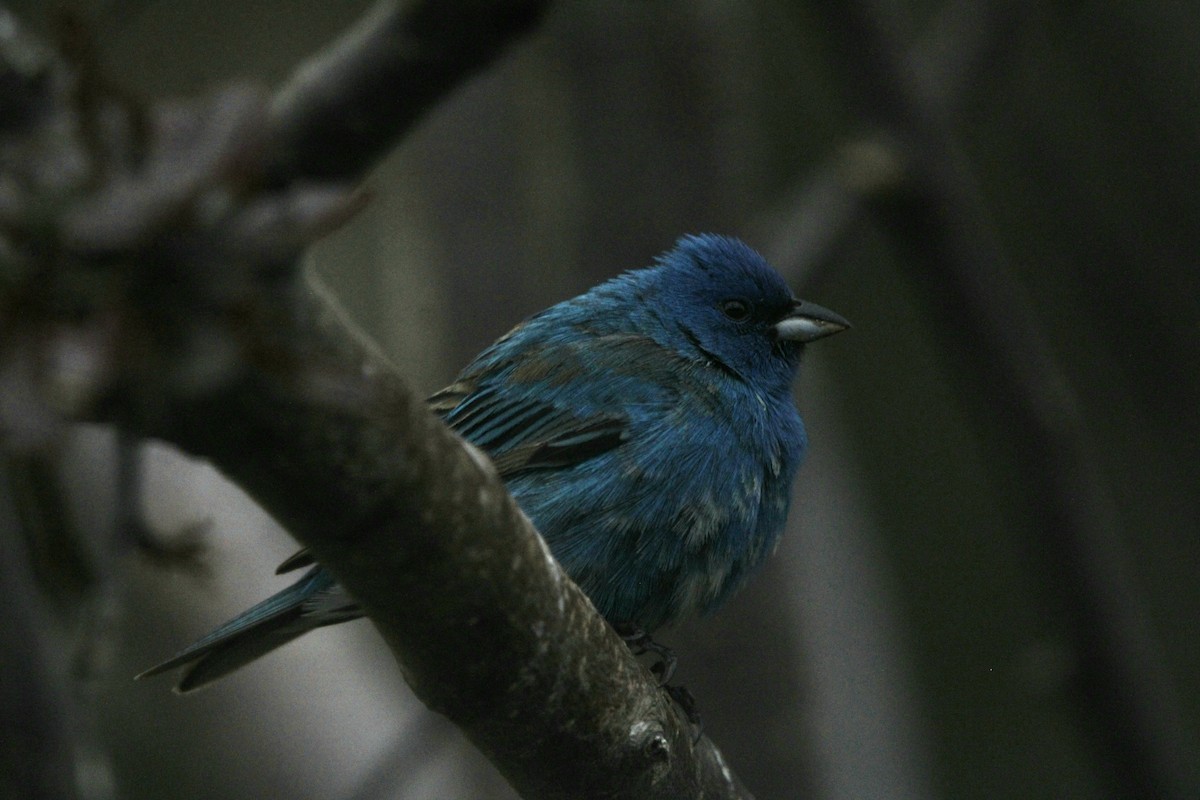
(988, 588)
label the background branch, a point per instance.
(932, 209)
(37, 759)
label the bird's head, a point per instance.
(719, 298)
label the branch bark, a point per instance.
(151, 280)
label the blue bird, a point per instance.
(647, 429)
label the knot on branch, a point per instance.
(651, 747)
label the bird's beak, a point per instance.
(807, 322)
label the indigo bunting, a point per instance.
(646, 428)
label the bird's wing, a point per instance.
(516, 427)
(523, 433)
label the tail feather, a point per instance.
(238, 651)
(253, 633)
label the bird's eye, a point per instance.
(736, 310)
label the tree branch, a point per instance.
(345, 108)
(156, 286)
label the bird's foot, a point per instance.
(640, 642)
(687, 704)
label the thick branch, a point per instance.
(194, 325)
(419, 528)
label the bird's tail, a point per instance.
(253, 633)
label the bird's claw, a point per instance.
(663, 669)
(687, 704)
(640, 643)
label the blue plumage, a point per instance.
(646, 427)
